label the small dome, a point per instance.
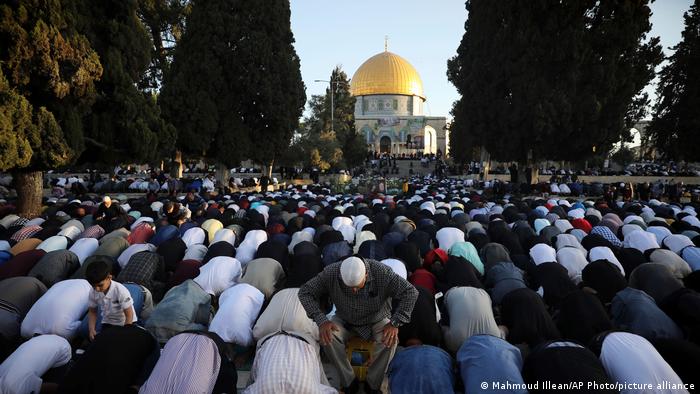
(386, 73)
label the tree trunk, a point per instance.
(222, 174)
(268, 170)
(30, 190)
(176, 169)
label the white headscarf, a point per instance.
(361, 237)
(256, 237)
(660, 232)
(218, 274)
(563, 225)
(692, 220)
(629, 219)
(569, 241)
(429, 206)
(641, 240)
(630, 358)
(604, 253)
(339, 221)
(447, 236)
(226, 235)
(297, 238)
(470, 314)
(194, 236)
(574, 260)
(246, 250)
(195, 252)
(543, 253)
(397, 266)
(676, 242)
(348, 233)
(576, 213)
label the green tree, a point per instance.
(351, 143)
(198, 91)
(549, 79)
(234, 90)
(675, 126)
(125, 123)
(47, 77)
(623, 156)
(338, 145)
(165, 22)
(319, 145)
(269, 90)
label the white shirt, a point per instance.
(218, 274)
(84, 248)
(543, 253)
(21, 372)
(189, 363)
(59, 310)
(299, 370)
(239, 306)
(113, 303)
(630, 358)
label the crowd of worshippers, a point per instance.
(450, 289)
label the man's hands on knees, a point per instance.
(325, 332)
(390, 335)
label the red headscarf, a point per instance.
(435, 255)
(582, 224)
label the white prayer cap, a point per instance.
(106, 199)
(352, 271)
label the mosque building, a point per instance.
(389, 108)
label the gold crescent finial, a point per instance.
(386, 43)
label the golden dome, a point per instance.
(386, 73)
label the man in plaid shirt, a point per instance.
(363, 292)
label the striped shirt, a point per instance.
(287, 364)
(189, 364)
(368, 306)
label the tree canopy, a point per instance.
(165, 22)
(675, 126)
(234, 90)
(555, 80)
(47, 83)
(337, 145)
(124, 123)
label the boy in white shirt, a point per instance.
(112, 297)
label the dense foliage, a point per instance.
(547, 79)
(675, 127)
(234, 90)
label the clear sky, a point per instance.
(427, 34)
